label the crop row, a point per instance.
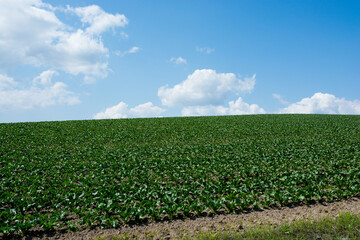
(57, 175)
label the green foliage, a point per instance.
(111, 172)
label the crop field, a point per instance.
(77, 174)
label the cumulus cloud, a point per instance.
(178, 60)
(118, 111)
(238, 107)
(41, 93)
(324, 103)
(280, 99)
(205, 50)
(204, 87)
(31, 34)
(98, 20)
(121, 110)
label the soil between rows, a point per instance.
(221, 222)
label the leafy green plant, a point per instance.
(78, 174)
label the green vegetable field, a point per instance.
(76, 174)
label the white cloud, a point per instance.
(280, 99)
(132, 50)
(178, 60)
(324, 103)
(204, 87)
(146, 110)
(239, 107)
(121, 110)
(124, 35)
(205, 50)
(78, 53)
(98, 20)
(41, 93)
(118, 111)
(6, 82)
(45, 77)
(31, 34)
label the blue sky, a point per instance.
(69, 60)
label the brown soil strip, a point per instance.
(189, 227)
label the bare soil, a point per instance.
(220, 222)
